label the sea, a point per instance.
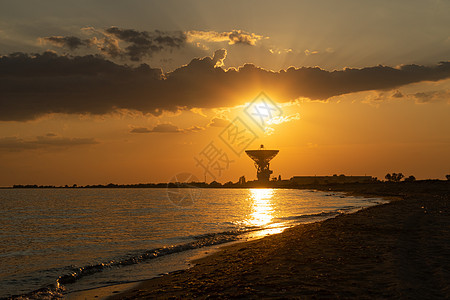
(54, 242)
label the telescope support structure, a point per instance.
(262, 158)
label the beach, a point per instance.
(395, 250)
(122, 236)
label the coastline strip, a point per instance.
(395, 250)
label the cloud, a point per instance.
(219, 122)
(14, 144)
(71, 42)
(198, 111)
(140, 130)
(193, 129)
(269, 130)
(309, 52)
(144, 43)
(232, 37)
(431, 96)
(242, 37)
(283, 119)
(32, 86)
(219, 57)
(160, 128)
(108, 46)
(397, 94)
(165, 128)
(135, 45)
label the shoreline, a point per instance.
(101, 292)
(143, 271)
(283, 184)
(398, 249)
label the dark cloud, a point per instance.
(71, 42)
(135, 45)
(138, 44)
(316, 83)
(14, 144)
(34, 85)
(108, 46)
(144, 43)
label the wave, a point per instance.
(56, 290)
(323, 214)
(52, 291)
(206, 240)
(309, 216)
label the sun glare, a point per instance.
(262, 207)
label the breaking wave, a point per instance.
(71, 274)
(55, 290)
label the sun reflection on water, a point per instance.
(262, 207)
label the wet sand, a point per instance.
(395, 250)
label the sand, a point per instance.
(395, 250)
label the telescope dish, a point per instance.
(262, 158)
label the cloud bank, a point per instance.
(70, 42)
(135, 45)
(165, 128)
(143, 43)
(35, 85)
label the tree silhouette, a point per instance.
(395, 177)
(388, 177)
(410, 179)
(447, 176)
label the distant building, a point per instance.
(303, 180)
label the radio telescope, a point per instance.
(262, 157)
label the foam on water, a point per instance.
(59, 241)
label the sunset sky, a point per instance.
(93, 92)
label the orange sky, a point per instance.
(87, 111)
(354, 135)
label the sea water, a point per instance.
(66, 240)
